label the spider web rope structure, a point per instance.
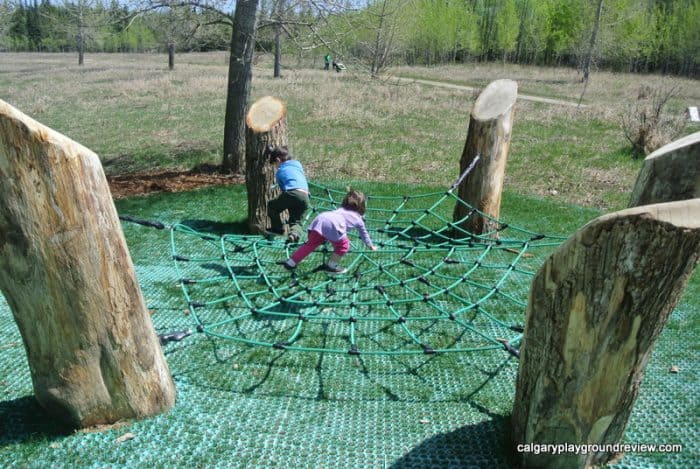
(431, 287)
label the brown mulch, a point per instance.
(128, 185)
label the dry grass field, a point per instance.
(138, 116)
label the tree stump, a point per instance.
(595, 310)
(670, 173)
(266, 125)
(489, 134)
(67, 275)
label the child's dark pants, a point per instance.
(296, 202)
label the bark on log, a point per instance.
(670, 173)
(595, 310)
(266, 124)
(490, 128)
(67, 275)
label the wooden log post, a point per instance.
(595, 310)
(488, 137)
(68, 278)
(266, 125)
(670, 173)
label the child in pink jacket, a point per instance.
(333, 226)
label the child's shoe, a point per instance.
(287, 266)
(272, 232)
(334, 270)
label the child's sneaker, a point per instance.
(272, 233)
(286, 266)
(334, 270)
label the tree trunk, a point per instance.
(278, 51)
(490, 127)
(66, 273)
(171, 55)
(239, 76)
(595, 310)
(670, 173)
(266, 124)
(591, 45)
(81, 46)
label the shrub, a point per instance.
(646, 125)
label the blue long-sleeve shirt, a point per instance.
(290, 176)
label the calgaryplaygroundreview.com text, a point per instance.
(562, 448)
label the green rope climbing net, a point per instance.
(430, 288)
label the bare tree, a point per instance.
(239, 77)
(591, 44)
(376, 32)
(85, 19)
(177, 25)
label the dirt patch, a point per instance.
(129, 185)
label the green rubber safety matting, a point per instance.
(252, 392)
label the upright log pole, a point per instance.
(489, 134)
(670, 173)
(266, 125)
(595, 310)
(66, 273)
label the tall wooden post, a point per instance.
(490, 128)
(595, 310)
(66, 273)
(670, 173)
(266, 125)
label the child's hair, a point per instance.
(356, 201)
(281, 153)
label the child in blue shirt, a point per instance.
(294, 196)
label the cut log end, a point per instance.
(495, 100)
(265, 113)
(683, 214)
(676, 145)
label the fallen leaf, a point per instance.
(126, 437)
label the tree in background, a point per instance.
(498, 25)
(6, 10)
(565, 30)
(278, 20)
(591, 45)
(373, 36)
(174, 25)
(442, 32)
(534, 23)
(81, 21)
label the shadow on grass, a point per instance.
(195, 155)
(216, 227)
(23, 420)
(484, 444)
